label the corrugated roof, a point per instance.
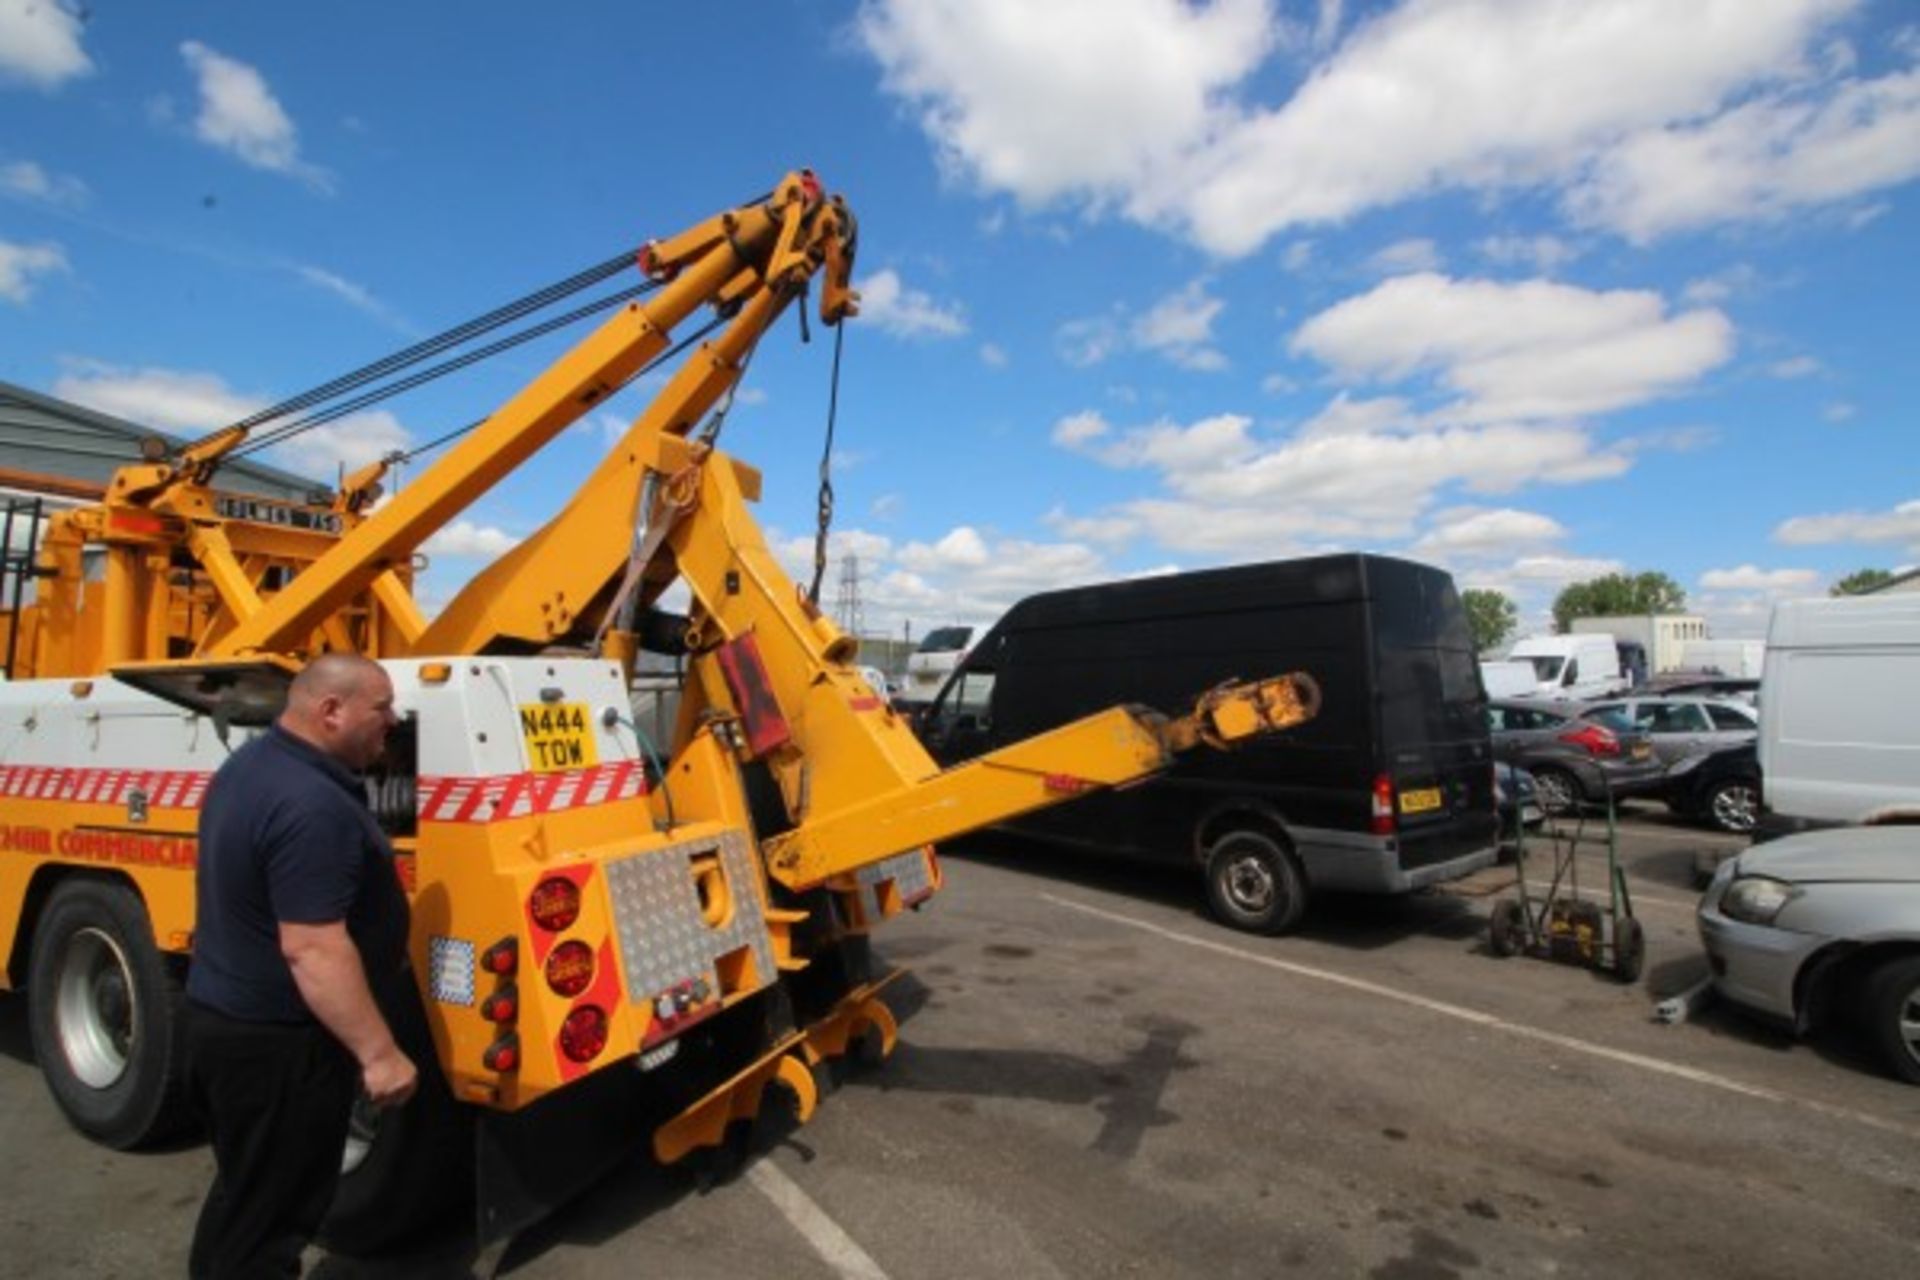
(39, 433)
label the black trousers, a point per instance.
(276, 1100)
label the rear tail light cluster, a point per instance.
(583, 1036)
(554, 904)
(570, 969)
(1597, 740)
(1382, 821)
(502, 1008)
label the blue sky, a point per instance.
(1534, 290)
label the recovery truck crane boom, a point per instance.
(578, 911)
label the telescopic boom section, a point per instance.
(771, 248)
(1107, 749)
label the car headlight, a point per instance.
(1757, 899)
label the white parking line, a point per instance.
(1659, 1066)
(836, 1248)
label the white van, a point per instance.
(1508, 678)
(934, 659)
(1840, 710)
(1572, 666)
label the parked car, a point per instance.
(1797, 929)
(1721, 789)
(1694, 684)
(1516, 799)
(1685, 729)
(1574, 758)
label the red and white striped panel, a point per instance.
(516, 795)
(164, 788)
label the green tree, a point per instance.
(1491, 616)
(1617, 593)
(1861, 581)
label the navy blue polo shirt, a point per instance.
(286, 836)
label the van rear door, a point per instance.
(1435, 753)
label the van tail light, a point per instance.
(1382, 823)
(1595, 739)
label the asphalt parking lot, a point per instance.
(1096, 1080)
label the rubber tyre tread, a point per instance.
(1629, 951)
(1506, 928)
(149, 1102)
(1290, 885)
(1887, 989)
(420, 1168)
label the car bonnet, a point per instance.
(1876, 855)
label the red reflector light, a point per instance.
(1596, 739)
(1065, 784)
(502, 957)
(584, 1034)
(1382, 820)
(502, 1006)
(503, 1054)
(554, 903)
(570, 968)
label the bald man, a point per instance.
(301, 920)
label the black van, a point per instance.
(1388, 789)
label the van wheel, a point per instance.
(1558, 791)
(104, 1007)
(1253, 883)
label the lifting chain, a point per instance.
(825, 514)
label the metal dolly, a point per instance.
(1560, 924)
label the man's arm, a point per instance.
(326, 967)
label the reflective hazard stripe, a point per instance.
(164, 788)
(516, 795)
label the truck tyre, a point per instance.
(1893, 1013)
(1559, 791)
(104, 1007)
(404, 1168)
(1253, 882)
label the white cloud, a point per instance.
(192, 404)
(1180, 327)
(465, 538)
(1760, 160)
(357, 296)
(1899, 526)
(25, 180)
(1297, 255)
(1840, 411)
(1535, 349)
(993, 355)
(887, 506)
(1796, 367)
(1405, 256)
(239, 114)
(40, 43)
(1077, 429)
(1152, 108)
(21, 265)
(1074, 96)
(1544, 254)
(1278, 384)
(961, 548)
(1084, 343)
(1749, 577)
(1479, 532)
(906, 312)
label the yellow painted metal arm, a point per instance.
(1107, 749)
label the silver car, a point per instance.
(1795, 928)
(1685, 729)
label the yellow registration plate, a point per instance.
(558, 736)
(1420, 801)
(1641, 751)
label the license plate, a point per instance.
(1642, 751)
(558, 736)
(1420, 801)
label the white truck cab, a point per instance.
(1573, 667)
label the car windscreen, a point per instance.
(945, 640)
(1546, 667)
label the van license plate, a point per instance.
(1420, 801)
(1641, 751)
(558, 736)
